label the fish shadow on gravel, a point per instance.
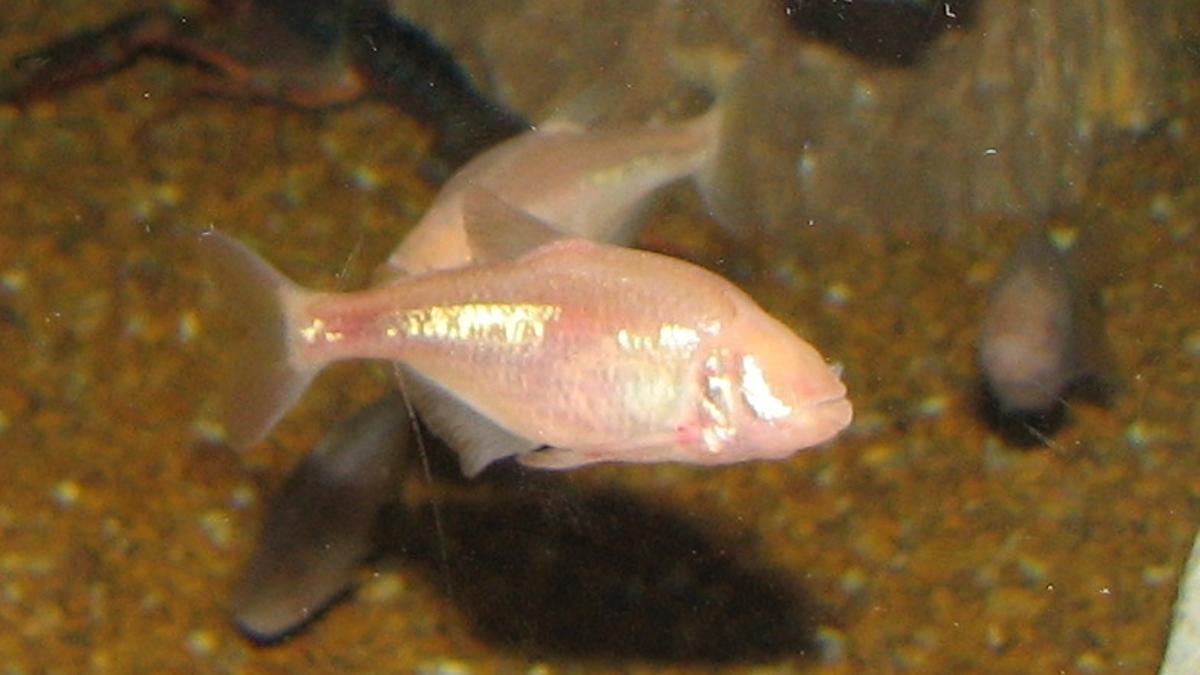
(556, 571)
(1035, 429)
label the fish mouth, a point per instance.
(831, 415)
(836, 405)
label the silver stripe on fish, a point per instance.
(519, 324)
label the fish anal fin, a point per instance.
(653, 450)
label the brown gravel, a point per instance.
(918, 542)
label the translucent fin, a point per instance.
(707, 176)
(556, 124)
(476, 440)
(721, 71)
(264, 383)
(581, 111)
(729, 180)
(319, 526)
(712, 67)
(497, 230)
(555, 459)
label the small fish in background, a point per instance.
(319, 526)
(599, 352)
(1041, 339)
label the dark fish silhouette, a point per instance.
(319, 527)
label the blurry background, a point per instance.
(880, 183)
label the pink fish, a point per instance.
(595, 352)
(590, 183)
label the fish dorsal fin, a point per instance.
(581, 111)
(497, 230)
(476, 440)
(560, 125)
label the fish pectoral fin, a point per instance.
(652, 451)
(558, 459)
(497, 230)
(477, 440)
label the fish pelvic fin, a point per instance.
(265, 381)
(557, 459)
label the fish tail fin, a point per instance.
(708, 176)
(723, 72)
(266, 380)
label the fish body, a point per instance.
(318, 528)
(600, 352)
(590, 183)
(1029, 348)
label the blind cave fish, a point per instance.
(318, 528)
(592, 183)
(591, 352)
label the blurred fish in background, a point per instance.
(1041, 339)
(319, 526)
(881, 31)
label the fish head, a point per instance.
(767, 395)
